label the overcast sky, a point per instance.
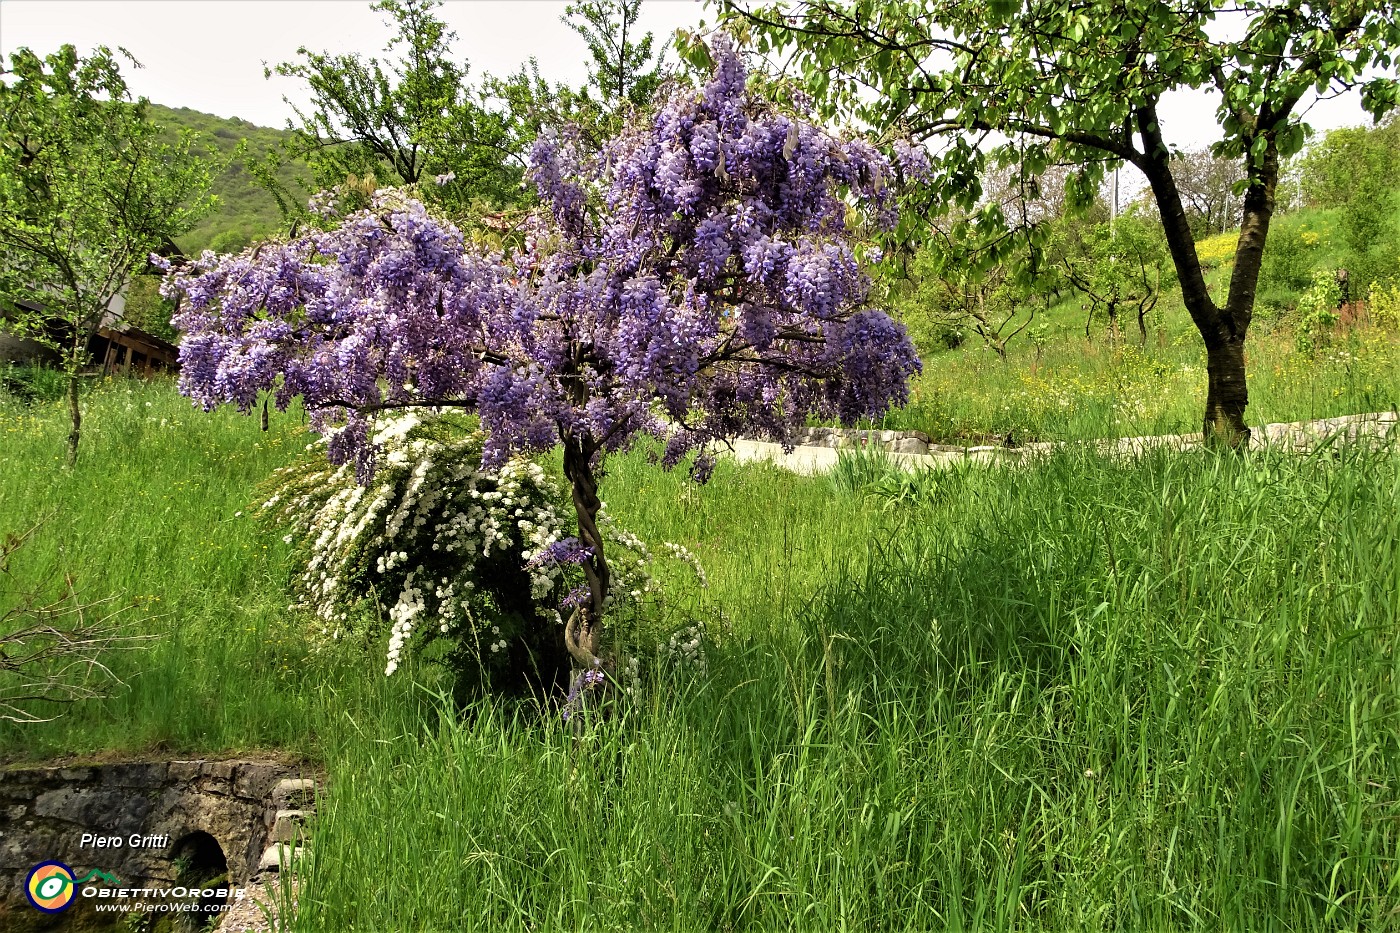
(209, 54)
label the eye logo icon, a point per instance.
(50, 887)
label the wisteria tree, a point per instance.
(697, 279)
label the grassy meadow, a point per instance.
(1069, 693)
(1072, 388)
(1059, 384)
(1159, 694)
(1154, 695)
(149, 521)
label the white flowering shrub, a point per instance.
(436, 549)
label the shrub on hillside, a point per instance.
(1317, 313)
(1287, 267)
(1375, 265)
(1383, 304)
(1218, 250)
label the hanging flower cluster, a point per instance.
(699, 274)
(694, 281)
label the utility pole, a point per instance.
(1113, 214)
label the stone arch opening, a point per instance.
(200, 863)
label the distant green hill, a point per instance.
(246, 211)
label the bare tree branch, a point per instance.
(52, 649)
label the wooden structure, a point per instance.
(116, 347)
(132, 351)
(1353, 314)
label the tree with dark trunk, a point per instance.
(1039, 82)
(1116, 264)
(698, 279)
(412, 120)
(624, 72)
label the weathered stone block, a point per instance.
(216, 777)
(294, 794)
(141, 774)
(19, 791)
(289, 826)
(107, 809)
(255, 779)
(43, 812)
(170, 801)
(281, 855)
(909, 445)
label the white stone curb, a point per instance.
(1300, 436)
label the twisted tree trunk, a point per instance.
(584, 631)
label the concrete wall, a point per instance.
(16, 350)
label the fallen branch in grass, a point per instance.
(52, 649)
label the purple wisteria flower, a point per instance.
(695, 280)
(585, 682)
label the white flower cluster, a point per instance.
(637, 606)
(631, 580)
(683, 554)
(629, 677)
(687, 647)
(424, 529)
(430, 508)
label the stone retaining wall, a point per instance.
(818, 449)
(246, 806)
(898, 442)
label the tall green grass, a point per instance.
(1088, 695)
(1084, 694)
(1071, 389)
(155, 522)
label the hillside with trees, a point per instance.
(246, 211)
